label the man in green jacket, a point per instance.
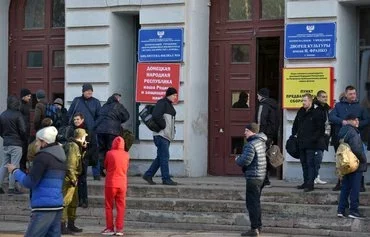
(74, 152)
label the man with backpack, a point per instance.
(351, 183)
(268, 119)
(164, 116)
(89, 106)
(40, 109)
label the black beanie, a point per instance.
(40, 94)
(171, 91)
(264, 92)
(25, 92)
(86, 87)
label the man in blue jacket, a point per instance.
(89, 106)
(45, 181)
(348, 105)
(253, 163)
(351, 183)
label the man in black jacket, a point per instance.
(309, 127)
(108, 124)
(13, 130)
(25, 110)
(164, 115)
(323, 109)
(268, 119)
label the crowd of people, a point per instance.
(54, 164)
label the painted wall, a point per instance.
(345, 65)
(99, 49)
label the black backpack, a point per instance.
(147, 118)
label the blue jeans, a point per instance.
(307, 158)
(252, 199)
(351, 184)
(163, 155)
(317, 161)
(12, 155)
(45, 223)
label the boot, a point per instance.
(338, 186)
(65, 230)
(362, 189)
(71, 226)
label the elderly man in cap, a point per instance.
(40, 109)
(164, 115)
(75, 151)
(253, 164)
(45, 180)
(89, 106)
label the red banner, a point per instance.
(153, 79)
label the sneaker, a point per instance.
(119, 233)
(319, 181)
(2, 191)
(340, 214)
(356, 215)
(149, 180)
(169, 182)
(107, 232)
(252, 232)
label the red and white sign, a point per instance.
(153, 79)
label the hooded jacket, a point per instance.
(25, 110)
(75, 153)
(309, 127)
(253, 158)
(39, 113)
(13, 128)
(352, 137)
(164, 115)
(268, 117)
(340, 112)
(45, 178)
(322, 111)
(111, 116)
(116, 164)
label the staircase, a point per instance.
(215, 204)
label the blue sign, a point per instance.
(311, 40)
(161, 45)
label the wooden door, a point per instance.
(235, 26)
(36, 47)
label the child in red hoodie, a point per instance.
(116, 165)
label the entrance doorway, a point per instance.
(36, 47)
(269, 64)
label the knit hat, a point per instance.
(171, 91)
(86, 87)
(58, 101)
(79, 133)
(25, 92)
(40, 94)
(264, 92)
(47, 134)
(253, 127)
(351, 116)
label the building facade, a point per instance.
(231, 49)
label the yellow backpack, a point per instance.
(346, 161)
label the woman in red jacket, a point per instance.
(116, 165)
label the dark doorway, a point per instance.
(268, 76)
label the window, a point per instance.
(273, 9)
(364, 27)
(34, 59)
(58, 58)
(240, 53)
(34, 14)
(240, 9)
(240, 99)
(58, 13)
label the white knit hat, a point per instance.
(47, 134)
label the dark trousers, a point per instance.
(82, 184)
(105, 144)
(23, 161)
(252, 199)
(161, 161)
(351, 184)
(307, 158)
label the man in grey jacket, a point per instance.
(253, 163)
(164, 115)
